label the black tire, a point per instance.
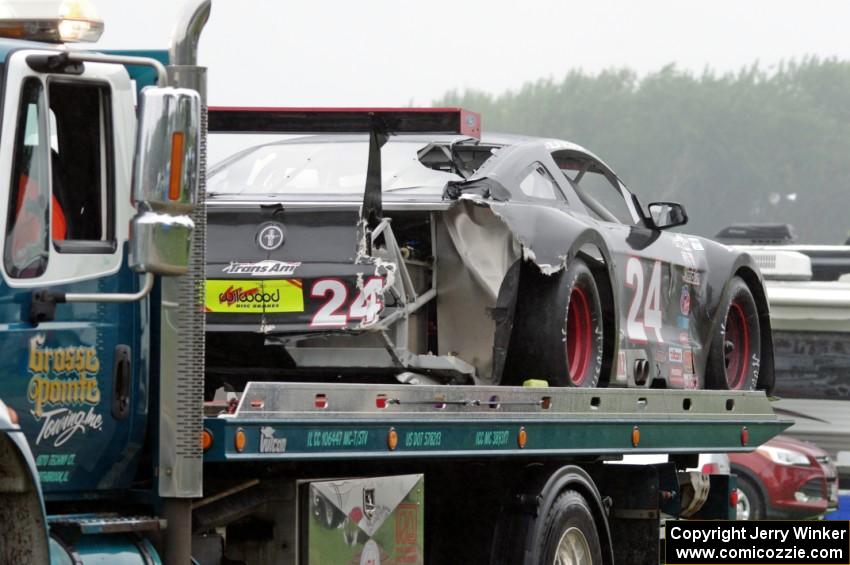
(569, 533)
(558, 333)
(750, 500)
(735, 354)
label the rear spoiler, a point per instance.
(390, 121)
(379, 123)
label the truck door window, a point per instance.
(25, 254)
(80, 139)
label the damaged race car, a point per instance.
(400, 245)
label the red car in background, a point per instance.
(785, 478)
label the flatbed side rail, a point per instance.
(303, 421)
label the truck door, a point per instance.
(77, 376)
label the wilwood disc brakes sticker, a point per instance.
(254, 297)
(63, 390)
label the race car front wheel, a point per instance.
(735, 354)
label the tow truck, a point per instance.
(110, 453)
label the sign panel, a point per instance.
(254, 297)
(376, 520)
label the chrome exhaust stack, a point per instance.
(182, 331)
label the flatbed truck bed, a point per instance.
(487, 469)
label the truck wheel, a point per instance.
(569, 533)
(733, 361)
(750, 502)
(558, 333)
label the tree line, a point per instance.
(757, 145)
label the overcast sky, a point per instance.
(394, 52)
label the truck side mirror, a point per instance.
(667, 215)
(166, 177)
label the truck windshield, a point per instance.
(325, 167)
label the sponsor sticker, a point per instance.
(675, 355)
(688, 360)
(685, 301)
(269, 443)
(675, 376)
(660, 354)
(690, 276)
(687, 243)
(696, 244)
(691, 381)
(681, 242)
(621, 366)
(261, 268)
(63, 390)
(254, 297)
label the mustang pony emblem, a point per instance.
(270, 237)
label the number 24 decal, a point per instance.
(636, 327)
(365, 306)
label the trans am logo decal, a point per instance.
(265, 268)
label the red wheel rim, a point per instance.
(579, 337)
(738, 337)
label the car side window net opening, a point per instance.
(600, 194)
(538, 183)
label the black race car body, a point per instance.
(496, 261)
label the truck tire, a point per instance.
(558, 335)
(735, 354)
(569, 533)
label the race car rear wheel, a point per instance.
(581, 329)
(558, 334)
(579, 333)
(735, 354)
